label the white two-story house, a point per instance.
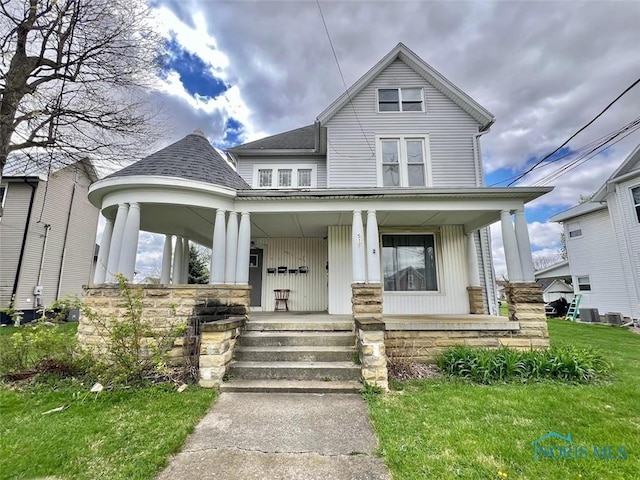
(603, 243)
(385, 187)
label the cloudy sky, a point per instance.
(240, 70)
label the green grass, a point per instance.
(127, 433)
(447, 429)
(68, 328)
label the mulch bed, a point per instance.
(407, 370)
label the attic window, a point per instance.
(635, 193)
(400, 100)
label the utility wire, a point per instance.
(574, 135)
(599, 142)
(346, 89)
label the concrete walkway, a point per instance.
(281, 436)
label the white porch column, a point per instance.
(103, 254)
(116, 242)
(524, 246)
(176, 277)
(358, 250)
(514, 269)
(244, 250)
(129, 250)
(185, 261)
(165, 273)
(218, 253)
(472, 260)
(373, 248)
(232, 249)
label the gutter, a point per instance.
(477, 157)
(64, 243)
(14, 290)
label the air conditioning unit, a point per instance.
(613, 318)
(590, 315)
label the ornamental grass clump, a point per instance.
(565, 363)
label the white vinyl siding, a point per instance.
(340, 270)
(351, 154)
(248, 169)
(596, 257)
(627, 234)
(308, 291)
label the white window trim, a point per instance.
(634, 205)
(436, 246)
(578, 277)
(274, 167)
(4, 196)
(577, 227)
(402, 161)
(409, 87)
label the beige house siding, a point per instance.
(16, 206)
(65, 185)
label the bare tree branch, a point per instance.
(74, 76)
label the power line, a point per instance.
(599, 142)
(346, 89)
(574, 135)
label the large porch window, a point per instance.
(409, 263)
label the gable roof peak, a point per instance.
(422, 68)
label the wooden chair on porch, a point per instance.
(282, 300)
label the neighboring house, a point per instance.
(46, 234)
(386, 187)
(556, 282)
(603, 243)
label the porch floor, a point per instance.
(402, 322)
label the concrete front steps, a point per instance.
(292, 355)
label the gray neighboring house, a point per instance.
(47, 244)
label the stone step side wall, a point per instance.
(164, 307)
(370, 344)
(218, 341)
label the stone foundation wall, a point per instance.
(370, 343)
(216, 349)
(526, 307)
(476, 301)
(366, 300)
(164, 307)
(426, 345)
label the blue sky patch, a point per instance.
(194, 73)
(233, 132)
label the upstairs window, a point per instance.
(574, 229)
(284, 176)
(635, 193)
(264, 178)
(400, 100)
(402, 162)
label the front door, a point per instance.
(255, 276)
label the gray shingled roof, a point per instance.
(299, 139)
(192, 158)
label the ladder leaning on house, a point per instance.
(572, 313)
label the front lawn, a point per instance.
(124, 433)
(448, 429)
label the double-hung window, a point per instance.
(584, 283)
(403, 162)
(400, 100)
(409, 263)
(635, 193)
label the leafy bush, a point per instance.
(135, 350)
(564, 362)
(34, 345)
